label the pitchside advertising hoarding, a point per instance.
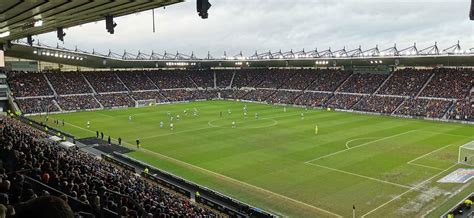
(2, 59)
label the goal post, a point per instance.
(145, 103)
(466, 154)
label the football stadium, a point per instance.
(383, 131)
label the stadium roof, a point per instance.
(411, 56)
(20, 18)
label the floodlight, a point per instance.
(38, 23)
(4, 34)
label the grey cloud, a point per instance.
(262, 25)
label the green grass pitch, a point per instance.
(384, 166)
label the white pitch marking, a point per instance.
(367, 143)
(362, 176)
(413, 188)
(431, 152)
(352, 140)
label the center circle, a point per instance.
(249, 123)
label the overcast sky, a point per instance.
(262, 25)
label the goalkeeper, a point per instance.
(316, 130)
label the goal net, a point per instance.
(145, 103)
(466, 154)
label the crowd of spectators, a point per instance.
(68, 83)
(301, 80)
(365, 83)
(284, 97)
(171, 80)
(223, 78)
(328, 80)
(80, 176)
(77, 102)
(258, 95)
(37, 105)
(343, 101)
(202, 78)
(450, 83)
(148, 95)
(431, 108)
(272, 86)
(248, 78)
(233, 93)
(115, 100)
(24, 84)
(406, 82)
(313, 99)
(378, 104)
(275, 78)
(178, 95)
(463, 110)
(105, 82)
(204, 94)
(136, 81)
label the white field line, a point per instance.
(442, 133)
(413, 188)
(364, 144)
(226, 177)
(425, 166)
(362, 176)
(422, 156)
(357, 139)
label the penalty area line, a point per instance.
(362, 176)
(406, 192)
(364, 144)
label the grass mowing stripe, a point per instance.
(413, 188)
(273, 158)
(367, 143)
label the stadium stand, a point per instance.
(34, 169)
(284, 97)
(27, 84)
(431, 108)
(68, 83)
(147, 95)
(203, 79)
(260, 95)
(105, 82)
(116, 100)
(37, 105)
(247, 78)
(462, 110)
(178, 95)
(171, 80)
(362, 83)
(224, 78)
(136, 81)
(274, 78)
(405, 82)
(313, 99)
(378, 104)
(449, 83)
(343, 101)
(328, 80)
(432, 93)
(77, 102)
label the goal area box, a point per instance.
(466, 154)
